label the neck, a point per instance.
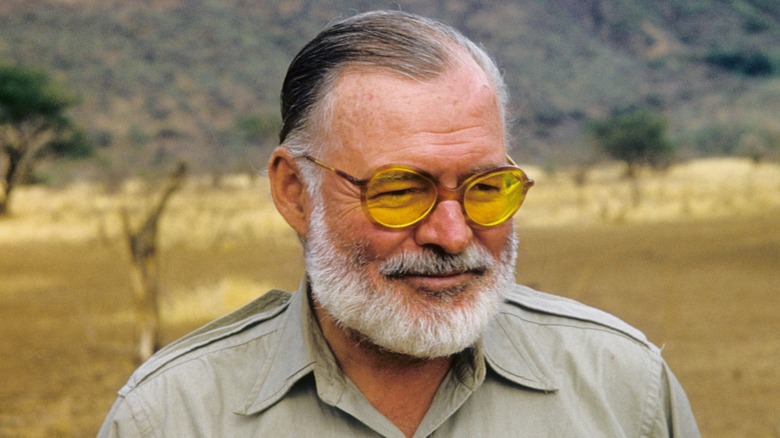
(400, 387)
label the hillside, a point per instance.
(162, 80)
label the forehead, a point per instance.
(379, 117)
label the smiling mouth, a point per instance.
(431, 274)
(435, 269)
(439, 286)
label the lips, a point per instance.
(437, 273)
(440, 284)
(434, 274)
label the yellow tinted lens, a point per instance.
(399, 197)
(494, 198)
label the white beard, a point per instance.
(421, 324)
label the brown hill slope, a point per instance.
(177, 78)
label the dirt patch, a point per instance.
(705, 290)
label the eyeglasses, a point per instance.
(398, 196)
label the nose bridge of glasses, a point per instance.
(445, 193)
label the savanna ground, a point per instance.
(690, 256)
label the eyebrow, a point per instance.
(480, 169)
(362, 181)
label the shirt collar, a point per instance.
(300, 349)
(512, 353)
(289, 358)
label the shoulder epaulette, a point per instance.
(540, 302)
(262, 309)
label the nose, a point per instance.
(445, 227)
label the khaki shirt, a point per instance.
(547, 367)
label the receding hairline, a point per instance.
(458, 58)
(401, 43)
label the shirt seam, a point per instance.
(192, 355)
(140, 418)
(652, 400)
(179, 349)
(587, 325)
(574, 311)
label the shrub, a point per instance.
(637, 137)
(747, 63)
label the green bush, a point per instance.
(747, 63)
(34, 124)
(637, 137)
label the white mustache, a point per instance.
(432, 262)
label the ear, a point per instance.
(288, 190)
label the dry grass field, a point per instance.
(690, 256)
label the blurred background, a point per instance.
(651, 128)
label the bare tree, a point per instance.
(143, 246)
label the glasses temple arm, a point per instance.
(341, 173)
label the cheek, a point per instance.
(354, 230)
(341, 208)
(496, 239)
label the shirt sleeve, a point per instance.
(675, 417)
(120, 422)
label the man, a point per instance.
(393, 171)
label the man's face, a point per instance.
(440, 275)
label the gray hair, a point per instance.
(415, 47)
